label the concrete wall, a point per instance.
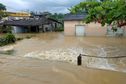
(95, 29)
(69, 27)
(92, 29)
(18, 29)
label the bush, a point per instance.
(5, 29)
(2, 41)
(9, 38)
(59, 29)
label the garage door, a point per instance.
(80, 30)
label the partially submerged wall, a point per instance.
(92, 29)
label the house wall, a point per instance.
(92, 29)
(95, 29)
(18, 29)
(47, 27)
(19, 14)
(69, 27)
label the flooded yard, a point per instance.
(33, 71)
(57, 55)
(56, 46)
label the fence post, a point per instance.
(79, 60)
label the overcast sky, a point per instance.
(59, 6)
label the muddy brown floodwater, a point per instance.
(50, 58)
(34, 71)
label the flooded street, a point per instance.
(48, 54)
(56, 46)
(34, 71)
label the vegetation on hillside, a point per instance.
(56, 16)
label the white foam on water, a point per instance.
(98, 62)
(70, 55)
(6, 48)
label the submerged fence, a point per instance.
(79, 58)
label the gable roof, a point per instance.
(30, 22)
(74, 17)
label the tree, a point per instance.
(2, 7)
(111, 12)
(2, 11)
(58, 16)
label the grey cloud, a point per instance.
(40, 5)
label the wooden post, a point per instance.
(79, 60)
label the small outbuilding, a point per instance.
(35, 24)
(73, 25)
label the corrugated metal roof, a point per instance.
(69, 17)
(30, 22)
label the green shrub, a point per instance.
(10, 38)
(59, 29)
(7, 39)
(2, 41)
